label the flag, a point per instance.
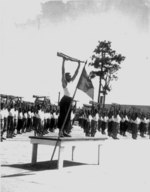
(85, 84)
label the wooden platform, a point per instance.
(63, 142)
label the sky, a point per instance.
(33, 31)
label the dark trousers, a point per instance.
(103, 126)
(29, 125)
(99, 125)
(122, 128)
(10, 126)
(142, 128)
(64, 107)
(93, 127)
(149, 130)
(52, 124)
(20, 125)
(134, 130)
(15, 125)
(110, 128)
(87, 128)
(1, 127)
(115, 129)
(84, 124)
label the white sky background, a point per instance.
(30, 64)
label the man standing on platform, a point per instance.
(66, 100)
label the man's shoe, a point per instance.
(61, 134)
(66, 134)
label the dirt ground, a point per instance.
(124, 167)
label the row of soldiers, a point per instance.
(17, 117)
(114, 122)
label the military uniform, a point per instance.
(116, 125)
(10, 127)
(110, 125)
(94, 124)
(135, 123)
(20, 121)
(2, 123)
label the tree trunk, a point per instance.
(100, 83)
(99, 91)
(104, 100)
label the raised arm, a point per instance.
(76, 72)
(64, 82)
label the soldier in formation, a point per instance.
(21, 117)
(115, 122)
(17, 117)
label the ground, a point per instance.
(124, 167)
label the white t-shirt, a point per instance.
(29, 114)
(105, 119)
(5, 113)
(96, 117)
(69, 90)
(110, 119)
(137, 121)
(126, 118)
(90, 117)
(117, 119)
(36, 114)
(123, 119)
(1, 114)
(11, 112)
(145, 120)
(25, 115)
(45, 115)
(41, 114)
(20, 115)
(49, 115)
(54, 115)
(102, 118)
(32, 114)
(16, 114)
(72, 115)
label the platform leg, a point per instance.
(60, 157)
(99, 154)
(34, 153)
(73, 149)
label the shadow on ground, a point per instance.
(39, 166)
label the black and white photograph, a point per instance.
(74, 95)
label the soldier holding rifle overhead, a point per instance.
(67, 98)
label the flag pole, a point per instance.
(66, 115)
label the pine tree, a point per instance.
(106, 62)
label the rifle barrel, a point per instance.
(36, 96)
(59, 54)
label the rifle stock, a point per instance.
(59, 54)
(36, 96)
